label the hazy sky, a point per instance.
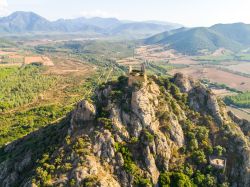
(187, 12)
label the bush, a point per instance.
(175, 91)
(106, 122)
(142, 182)
(72, 182)
(193, 145)
(175, 179)
(204, 180)
(199, 178)
(164, 180)
(90, 181)
(199, 157)
(218, 150)
(146, 136)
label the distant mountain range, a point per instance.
(192, 40)
(29, 22)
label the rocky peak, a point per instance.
(200, 98)
(184, 82)
(161, 132)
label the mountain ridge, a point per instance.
(192, 40)
(27, 22)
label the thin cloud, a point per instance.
(3, 3)
(3, 8)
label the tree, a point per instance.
(193, 144)
(199, 178)
(175, 179)
(164, 179)
(210, 180)
(199, 157)
(218, 150)
(204, 180)
(180, 180)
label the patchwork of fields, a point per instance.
(17, 57)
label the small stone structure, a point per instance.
(137, 76)
(218, 162)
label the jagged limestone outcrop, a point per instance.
(200, 98)
(132, 136)
(85, 111)
(185, 83)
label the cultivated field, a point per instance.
(222, 92)
(38, 59)
(232, 80)
(244, 114)
(155, 53)
(66, 66)
(18, 57)
(243, 67)
(183, 60)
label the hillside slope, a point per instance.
(229, 36)
(158, 132)
(238, 32)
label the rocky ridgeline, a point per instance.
(136, 136)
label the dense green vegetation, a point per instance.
(17, 125)
(240, 100)
(20, 86)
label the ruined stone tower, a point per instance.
(137, 75)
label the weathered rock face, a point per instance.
(126, 125)
(183, 82)
(245, 172)
(92, 169)
(85, 111)
(104, 146)
(143, 105)
(200, 98)
(176, 132)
